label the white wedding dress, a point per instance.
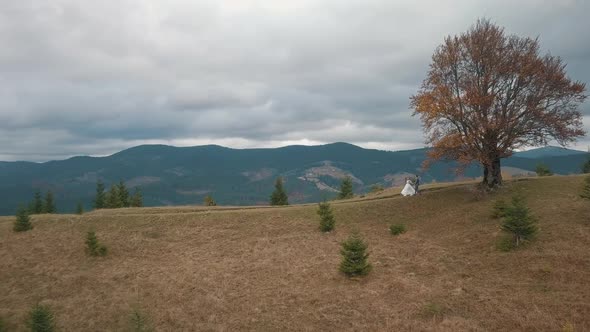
(408, 189)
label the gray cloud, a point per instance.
(95, 77)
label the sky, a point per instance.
(96, 77)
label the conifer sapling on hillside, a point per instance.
(209, 201)
(586, 167)
(100, 198)
(397, 229)
(31, 207)
(41, 319)
(37, 204)
(79, 208)
(113, 199)
(49, 206)
(586, 188)
(137, 198)
(543, 170)
(327, 221)
(354, 257)
(123, 194)
(518, 221)
(279, 197)
(93, 247)
(139, 321)
(499, 209)
(346, 188)
(23, 221)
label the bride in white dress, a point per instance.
(408, 189)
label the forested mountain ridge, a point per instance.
(171, 175)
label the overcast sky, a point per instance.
(95, 77)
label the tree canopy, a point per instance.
(488, 93)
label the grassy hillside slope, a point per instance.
(271, 269)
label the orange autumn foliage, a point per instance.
(488, 93)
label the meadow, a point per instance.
(261, 268)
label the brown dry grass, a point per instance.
(271, 269)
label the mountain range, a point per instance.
(170, 175)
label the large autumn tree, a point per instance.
(488, 93)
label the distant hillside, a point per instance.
(184, 175)
(549, 151)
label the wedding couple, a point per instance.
(411, 189)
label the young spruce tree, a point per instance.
(586, 188)
(41, 319)
(543, 170)
(586, 167)
(79, 208)
(326, 217)
(123, 194)
(346, 188)
(279, 197)
(100, 198)
(518, 221)
(23, 221)
(93, 247)
(113, 199)
(49, 206)
(37, 205)
(137, 198)
(139, 321)
(354, 257)
(499, 209)
(209, 201)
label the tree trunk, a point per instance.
(492, 173)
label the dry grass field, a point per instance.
(266, 269)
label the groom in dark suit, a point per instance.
(417, 184)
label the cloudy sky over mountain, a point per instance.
(94, 77)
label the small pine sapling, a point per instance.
(123, 194)
(79, 208)
(139, 321)
(93, 247)
(346, 190)
(2, 326)
(209, 201)
(397, 229)
(37, 204)
(519, 222)
(279, 196)
(137, 198)
(543, 170)
(354, 257)
(327, 220)
(100, 199)
(41, 319)
(499, 209)
(113, 199)
(49, 203)
(23, 221)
